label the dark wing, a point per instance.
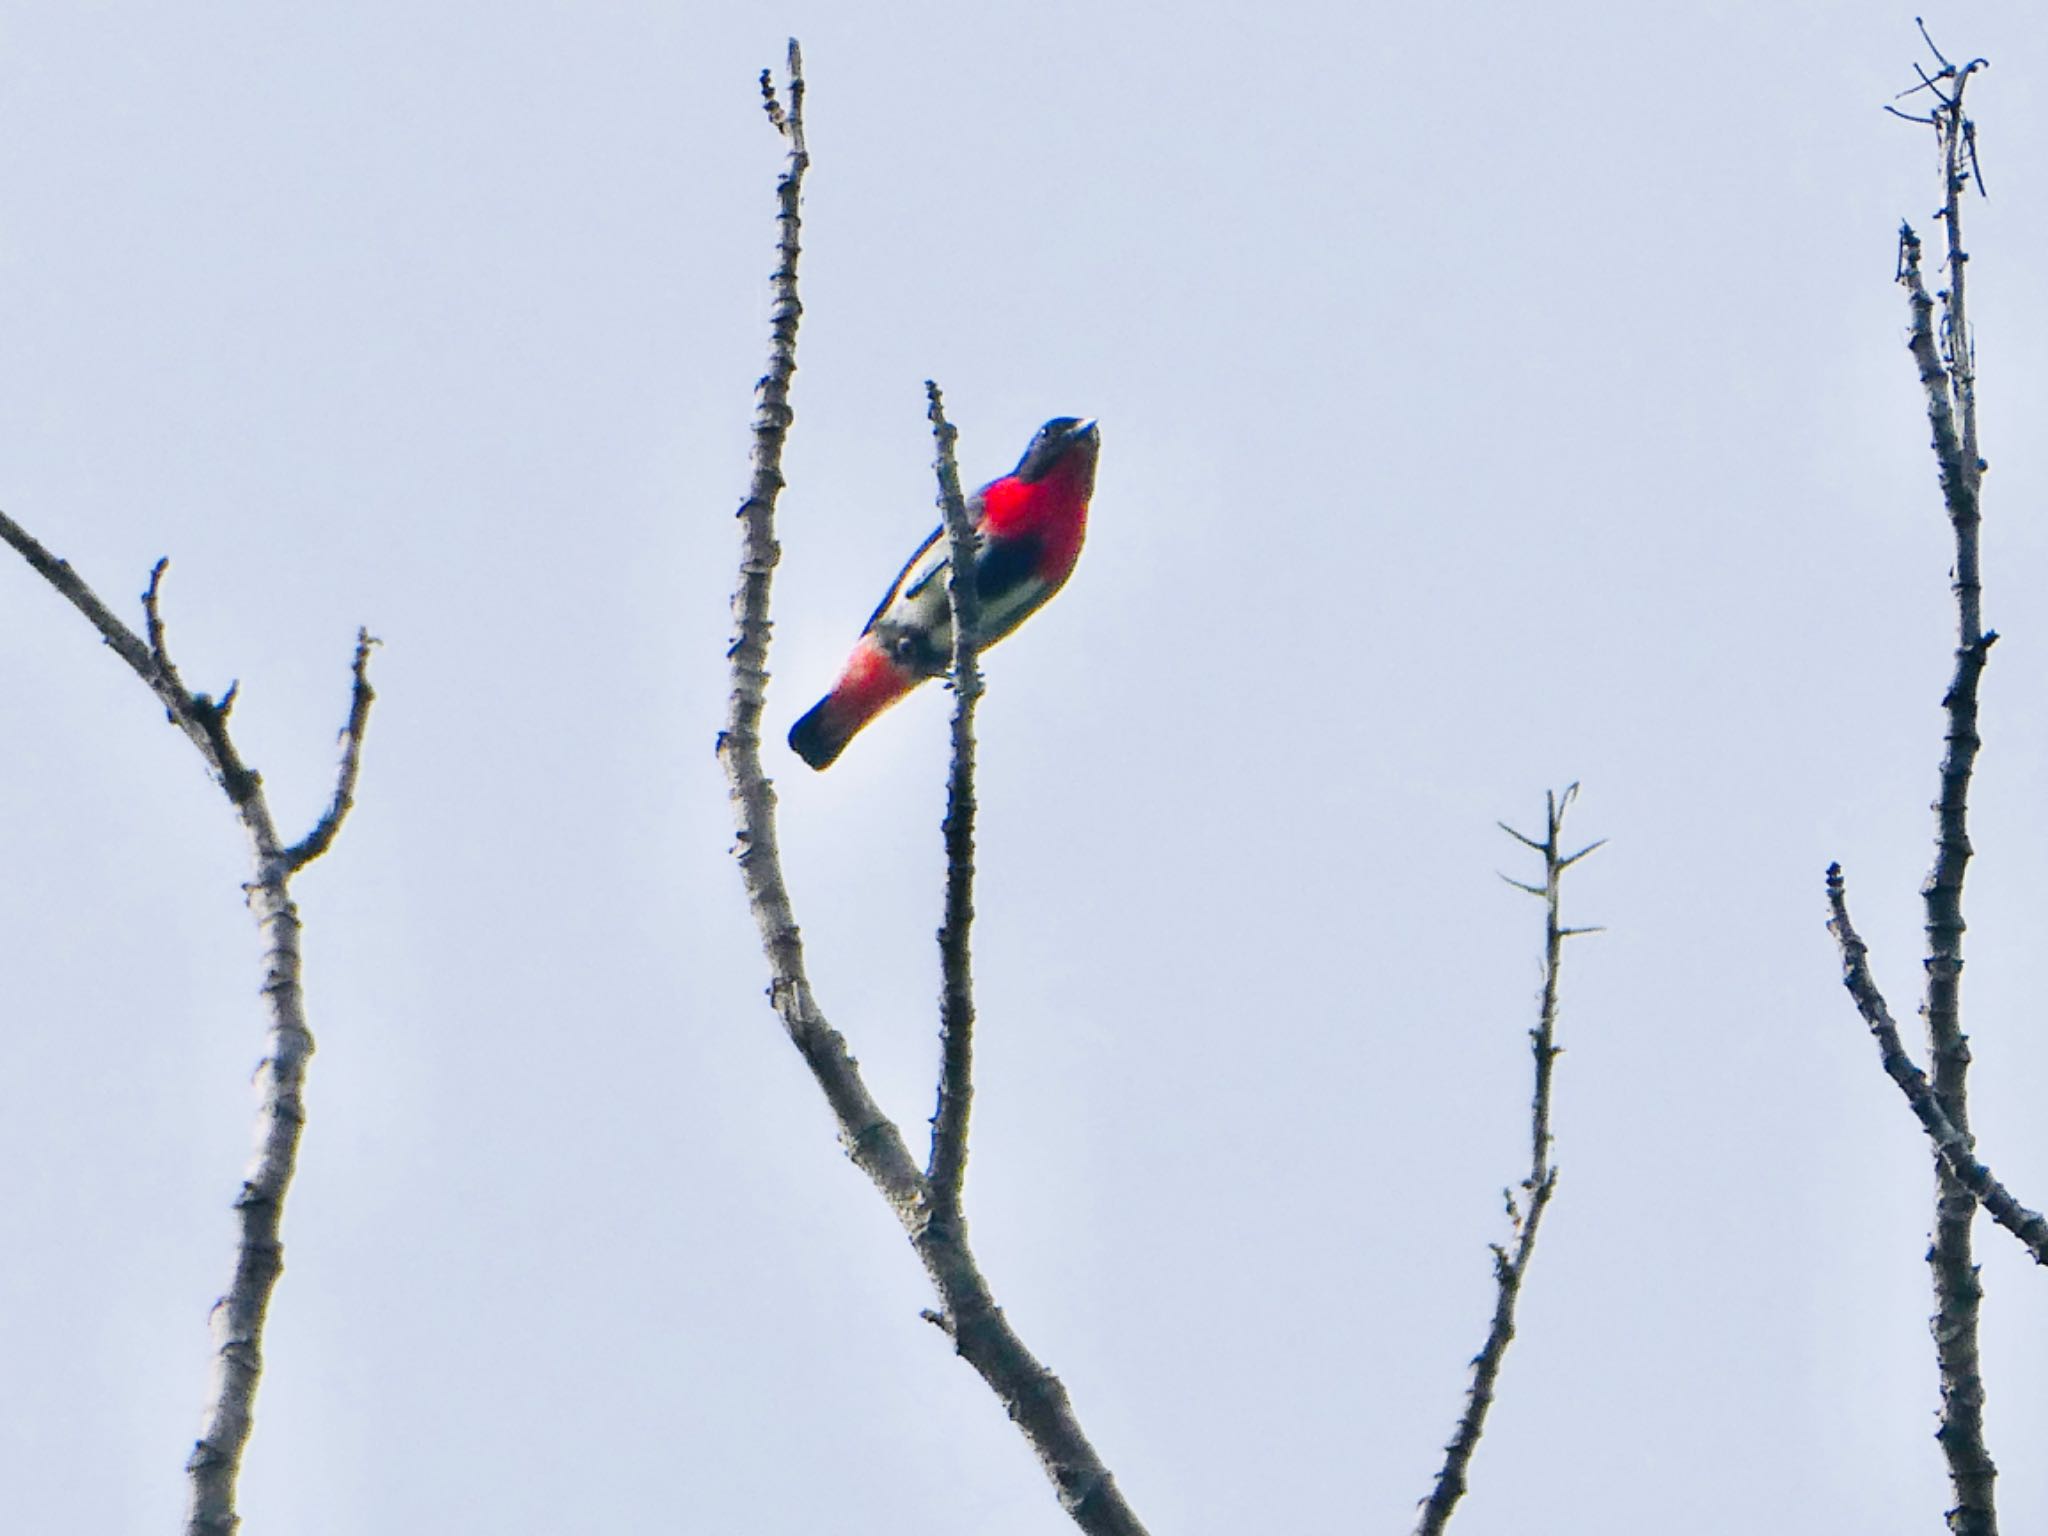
(916, 574)
(1004, 568)
(922, 568)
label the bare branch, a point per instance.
(1570, 859)
(948, 1165)
(1947, 371)
(1960, 474)
(871, 1139)
(238, 1316)
(1510, 1268)
(361, 697)
(1953, 1146)
(153, 621)
(1029, 1393)
(1946, 67)
(1958, 1289)
(119, 636)
(1521, 837)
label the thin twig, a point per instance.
(1511, 1268)
(948, 1165)
(153, 623)
(1031, 1395)
(361, 697)
(238, 1316)
(1940, 57)
(1952, 1145)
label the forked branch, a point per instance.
(214, 1466)
(1029, 1393)
(1954, 1147)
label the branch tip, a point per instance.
(1511, 1265)
(342, 801)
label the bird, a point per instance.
(1031, 523)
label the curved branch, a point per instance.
(361, 697)
(869, 1136)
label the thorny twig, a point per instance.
(1510, 1268)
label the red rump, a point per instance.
(869, 685)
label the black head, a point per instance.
(1055, 440)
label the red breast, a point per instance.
(1052, 511)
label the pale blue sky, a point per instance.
(1491, 396)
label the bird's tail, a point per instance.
(869, 685)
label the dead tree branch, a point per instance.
(1945, 359)
(1511, 1267)
(238, 1316)
(1952, 412)
(1031, 1395)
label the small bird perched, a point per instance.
(1031, 523)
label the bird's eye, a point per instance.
(906, 647)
